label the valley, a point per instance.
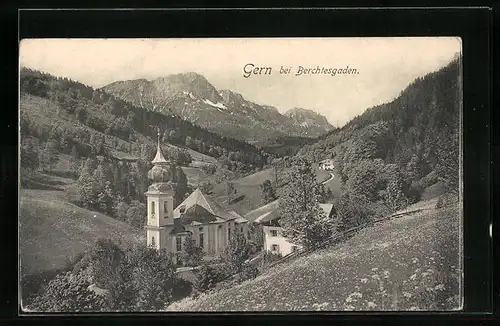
(99, 166)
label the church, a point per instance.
(198, 216)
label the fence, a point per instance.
(336, 238)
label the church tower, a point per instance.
(160, 200)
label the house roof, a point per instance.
(238, 218)
(327, 208)
(262, 211)
(197, 202)
(270, 212)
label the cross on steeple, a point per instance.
(158, 128)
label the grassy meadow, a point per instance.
(406, 264)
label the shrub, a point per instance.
(439, 203)
(249, 272)
(68, 293)
(236, 253)
(207, 277)
(181, 289)
(191, 255)
(270, 257)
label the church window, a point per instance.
(153, 242)
(229, 232)
(178, 243)
(202, 242)
(165, 207)
(152, 208)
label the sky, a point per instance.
(383, 66)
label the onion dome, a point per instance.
(165, 188)
(159, 173)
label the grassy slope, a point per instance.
(411, 263)
(52, 230)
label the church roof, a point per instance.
(197, 201)
(238, 218)
(159, 158)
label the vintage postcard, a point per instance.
(241, 174)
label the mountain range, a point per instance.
(193, 98)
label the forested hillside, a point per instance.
(390, 154)
(110, 144)
(81, 111)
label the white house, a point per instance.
(326, 165)
(268, 217)
(207, 222)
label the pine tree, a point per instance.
(448, 161)
(87, 189)
(394, 196)
(103, 173)
(267, 192)
(181, 184)
(120, 208)
(136, 214)
(29, 155)
(49, 155)
(230, 191)
(74, 161)
(97, 143)
(106, 198)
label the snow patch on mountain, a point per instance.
(215, 105)
(189, 94)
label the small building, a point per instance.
(209, 225)
(268, 218)
(326, 165)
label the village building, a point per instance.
(326, 165)
(268, 218)
(209, 225)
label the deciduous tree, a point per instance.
(192, 255)
(302, 219)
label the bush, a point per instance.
(181, 289)
(192, 255)
(249, 272)
(270, 257)
(208, 276)
(68, 293)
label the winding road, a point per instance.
(329, 179)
